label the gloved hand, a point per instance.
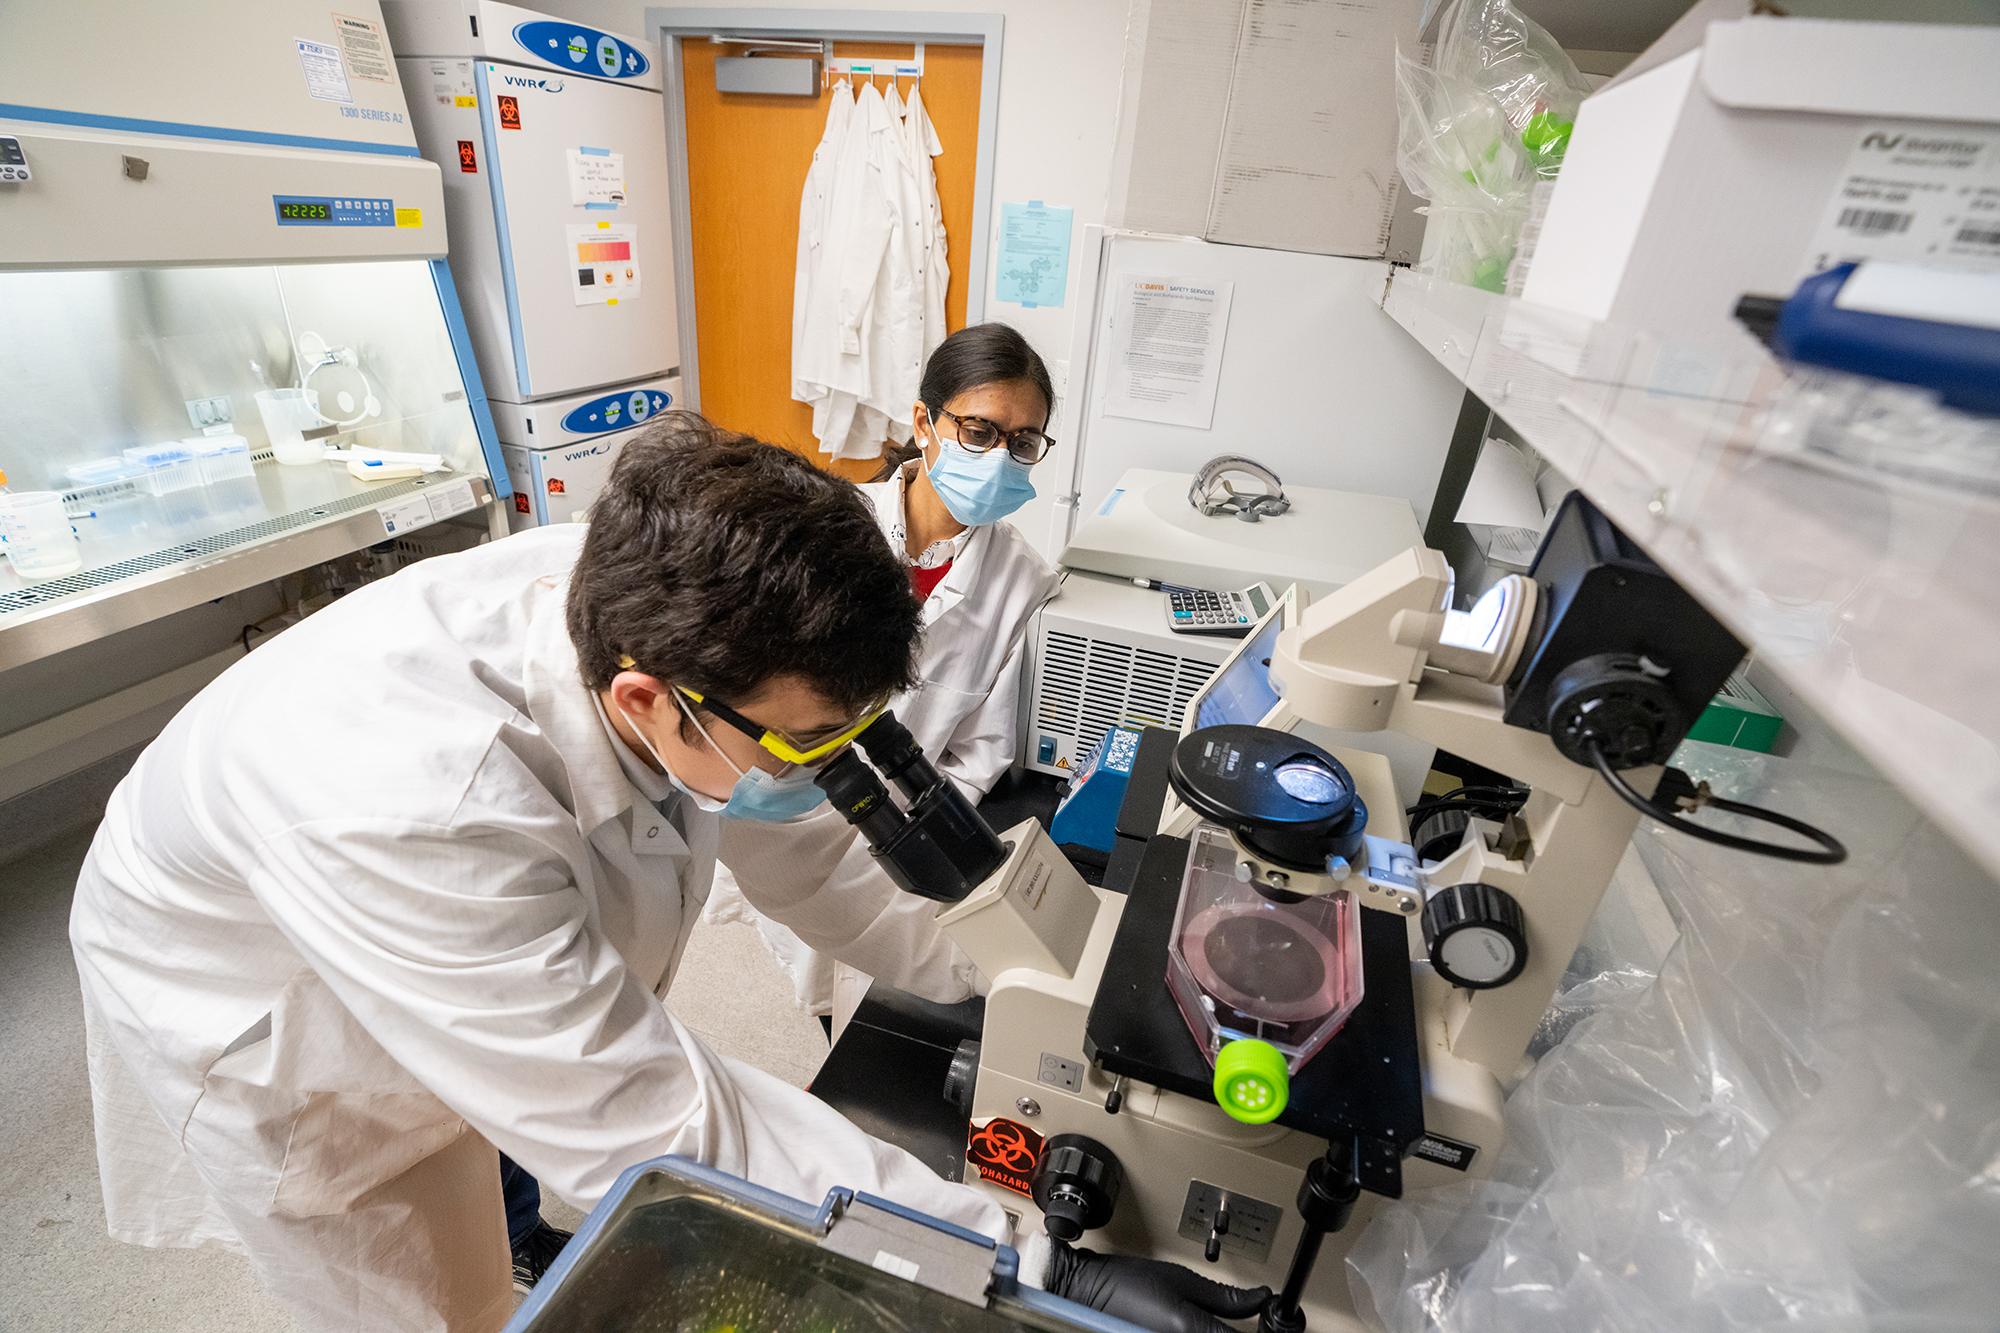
(1151, 1293)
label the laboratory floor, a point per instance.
(62, 1272)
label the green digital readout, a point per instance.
(305, 212)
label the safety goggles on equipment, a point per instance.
(980, 435)
(792, 749)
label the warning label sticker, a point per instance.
(1005, 1151)
(367, 51)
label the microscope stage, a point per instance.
(1366, 1080)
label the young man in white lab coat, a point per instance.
(403, 888)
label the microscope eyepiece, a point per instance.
(895, 751)
(941, 849)
(852, 788)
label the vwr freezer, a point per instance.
(559, 453)
(551, 136)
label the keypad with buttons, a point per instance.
(1204, 611)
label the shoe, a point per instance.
(537, 1254)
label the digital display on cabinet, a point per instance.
(310, 210)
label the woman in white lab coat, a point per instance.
(982, 410)
(980, 419)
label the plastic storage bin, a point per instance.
(677, 1247)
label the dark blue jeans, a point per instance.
(524, 1201)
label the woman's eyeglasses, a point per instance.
(980, 435)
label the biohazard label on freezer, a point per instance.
(1914, 193)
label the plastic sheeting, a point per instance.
(1796, 1122)
(1478, 129)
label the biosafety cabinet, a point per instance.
(229, 343)
(551, 139)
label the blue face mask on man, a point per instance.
(977, 488)
(756, 795)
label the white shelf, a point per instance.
(1876, 599)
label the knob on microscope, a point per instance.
(1476, 935)
(1076, 1185)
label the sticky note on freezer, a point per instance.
(596, 177)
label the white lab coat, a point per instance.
(381, 900)
(815, 209)
(896, 325)
(836, 351)
(920, 145)
(861, 345)
(963, 713)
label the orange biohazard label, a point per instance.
(555, 486)
(1005, 1152)
(521, 505)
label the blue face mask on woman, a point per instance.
(756, 795)
(978, 489)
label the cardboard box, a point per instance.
(1772, 149)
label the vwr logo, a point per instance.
(574, 455)
(1908, 143)
(518, 81)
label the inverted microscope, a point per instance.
(1288, 1014)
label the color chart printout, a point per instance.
(603, 262)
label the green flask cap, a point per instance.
(1251, 1084)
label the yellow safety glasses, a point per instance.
(791, 749)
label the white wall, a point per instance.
(1060, 63)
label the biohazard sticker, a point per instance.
(1005, 1152)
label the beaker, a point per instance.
(37, 536)
(288, 414)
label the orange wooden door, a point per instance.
(747, 161)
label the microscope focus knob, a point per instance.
(1076, 1185)
(961, 1080)
(1476, 935)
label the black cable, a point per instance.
(1831, 855)
(1425, 808)
(1504, 799)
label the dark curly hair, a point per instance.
(719, 562)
